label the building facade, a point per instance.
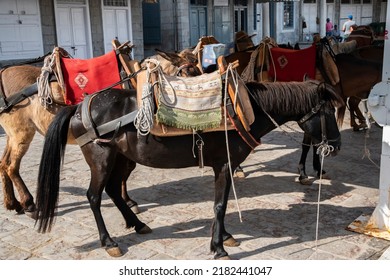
(85, 28)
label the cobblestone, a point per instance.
(279, 214)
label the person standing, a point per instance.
(328, 27)
(347, 26)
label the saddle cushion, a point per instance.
(292, 65)
(191, 103)
(88, 76)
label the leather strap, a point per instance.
(7, 103)
(245, 135)
(107, 127)
(86, 118)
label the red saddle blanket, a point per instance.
(292, 65)
(86, 76)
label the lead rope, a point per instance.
(367, 133)
(367, 152)
(323, 150)
(230, 70)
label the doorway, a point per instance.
(116, 22)
(73, 29)
(198, 24)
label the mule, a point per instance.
(22, 120)
(363, 34)
(311, 104)
(357, 77)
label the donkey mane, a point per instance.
(281, 97)
(296, 97)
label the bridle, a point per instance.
(320, 107)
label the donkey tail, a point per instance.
(50, 167)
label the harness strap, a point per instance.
(245, 135)
(3, 103)
(86, 117)
(312, 112)
(6, 103)
(107, 127)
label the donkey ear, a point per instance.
(306, 77)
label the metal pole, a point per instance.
(378, 224)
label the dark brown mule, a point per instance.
(24, 119)
(357, 77)
(311, 104)
(363, 35)
(357, 72)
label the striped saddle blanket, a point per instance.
(193, 103)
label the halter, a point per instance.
(323, 147)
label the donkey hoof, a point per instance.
(360, 127)
(144, 230)
(114, 252)
(239, 174)
(305, 181)
(19, 211)
(325, 176)
(31, 214)
(231, 242)
(224, 258)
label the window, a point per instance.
(81, 2)
(115, 3)
(241, 2)
(151, 22)
(199, 2)
(309, 1)
(254, 15)
(288, 15)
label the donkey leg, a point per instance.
(355, 112)
(101, 169)
(317, 165)
(303, 178)
(17, 147)
(219, 233)
(10, 201)
(130, 202)
(113, 189)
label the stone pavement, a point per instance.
(278, 213)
